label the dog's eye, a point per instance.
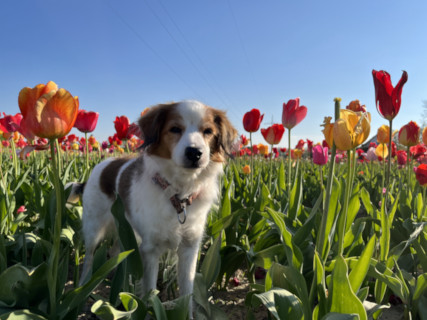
(207, 131)
(175, 130)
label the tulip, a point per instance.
(349, 131)
(300, 144)
(246, 169)
(252, 120)
(387, 98)
(309, 146)
(371, 155)
(320, 155)
(121, 124)
(10, 123)
(417, 151)
(383, 134)
(421, 174)
(425, 136)
(293, 113)
(381, 151)
(296, 154)
(263, 149)
(409, 134)
(244, 140)
(401, 157)
(86, 121)
(47, 111)
(356, 106)
(273, 134)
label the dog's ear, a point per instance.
(152, 123)
(225, 137)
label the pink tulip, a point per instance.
(320, 155)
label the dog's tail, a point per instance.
(76, 191)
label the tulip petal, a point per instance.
(397, 92)
(342, 137)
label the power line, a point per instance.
(189, 59)
(138, 35)
(242, 44)
(188, 43)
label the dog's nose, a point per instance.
(193, 154)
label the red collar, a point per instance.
(179, 204)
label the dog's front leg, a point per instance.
(150, 262)
(187, 260)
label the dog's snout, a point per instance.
(193, 154)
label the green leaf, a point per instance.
(420, 289)
(75, 297)
(296, 196)
(157, 307)
(21, 287)
(287, 277)
(180, 309)
(281, 303)
(293, 253)
(343, 299)
(21, 315)
(341, 316)
(106, 311)
(127, 239)
(358, 274)
(281, 180)
(212, 262)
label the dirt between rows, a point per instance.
(231, 301)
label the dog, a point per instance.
(167, 191)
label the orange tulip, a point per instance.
(48, 112)
(246, 169)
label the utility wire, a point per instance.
(243, 48)
(188, 43)
(138, 35)
(189, 59)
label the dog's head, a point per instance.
(189, 133)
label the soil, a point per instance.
(231, 301)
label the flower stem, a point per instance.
(387, 175)
(289, 166)
(342, 220)
(54, 254)
(87, 152)
(320, 244)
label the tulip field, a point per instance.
(333, 229)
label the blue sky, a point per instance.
(120, 57)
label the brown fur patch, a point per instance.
(108, 176)
(224, 136)
(156, 135)
(132, 171)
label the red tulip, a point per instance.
(273, 134)
(86, 121)
(10, 123)
(402, 157)
(252, 120)
(309, 146)
(421, 174)
(121, 124)
(300, 144)
(320, 155)
(409, 134)
(387, 98)
(293, 113)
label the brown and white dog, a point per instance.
(167, 191)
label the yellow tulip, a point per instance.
(383, 134)
(328, 131)
(425, 136)
(381, 151)
(351, 129)
(263, 149)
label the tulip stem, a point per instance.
(342, 220)
(87, 154)
(408, 172)
(14, 158)
(321, 247)
(54, 254)
(289, 166)
(252, 163)
(271, 168)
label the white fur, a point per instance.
(150, 211)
